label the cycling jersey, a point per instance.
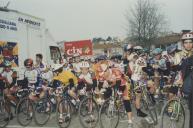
(32, 76)
(8, 76)
(86, 77)
(65, 76)
(137, 69)
(76, 67)
(181, 56)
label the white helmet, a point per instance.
(56, 67)
(129, 46)
(92, 59)
(138, 47)
(84, 64)
(187, 36)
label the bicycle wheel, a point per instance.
(88, 113)
(153, 114)
(4, 114)
(64, 112)
(150, 107)
(173, 115)
(144, 104)
(109, 115)
(159, 106)
(24, 112)
(42, 111)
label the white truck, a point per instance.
(23, 36)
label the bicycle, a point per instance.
(173, 112)
(112, 110)
(89, 110)
(147, 102)
(27, 109)
(5, 110)
(6, 105)
(64, 107)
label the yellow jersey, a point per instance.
(65, 76)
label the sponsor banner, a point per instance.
(78, 48)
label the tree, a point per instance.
(146, 22)
(109, 38)
(97, 39)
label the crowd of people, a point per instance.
(125, 73)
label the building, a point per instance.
(165, 41)
(108, 49)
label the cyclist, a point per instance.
(161, 67)
(136, 77)
(8, 80)
(85, 78)
(112, 77)
(40, 65)
(32, 77)
(185, 59)
(62, 79)
(76, 64)
(176, 78)
(44, 72)
(127, 59)
(123, 85)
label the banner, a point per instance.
(9, 52)
(78, 48)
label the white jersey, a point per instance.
(137, 69)
(76, 67)
(31, 76)
(8, 76)
(47, 76)
(87, 77)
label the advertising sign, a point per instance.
(80, 48)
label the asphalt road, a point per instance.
(138, 122)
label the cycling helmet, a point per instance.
(171, 49)
(102, 57)
(55, 67)
(138, 48)
(129, 47)
(7, 63)
(28, 63)
(157, 51)
(145, 50)
(187, 36)
(84, 64)
(117, 57)
(92, 59)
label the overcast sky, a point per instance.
(85, 19)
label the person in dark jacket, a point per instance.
(187, 71)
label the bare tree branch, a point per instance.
(146, 22)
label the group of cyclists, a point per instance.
(124, 73)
